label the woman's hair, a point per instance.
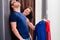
(30, 15)
(30, 8)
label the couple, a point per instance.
(19, 22)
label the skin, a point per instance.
(26, 11)
(16, 7)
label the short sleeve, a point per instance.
(13, 18)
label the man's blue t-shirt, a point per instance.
(22, 26)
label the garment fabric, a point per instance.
(40, 31)
(48, 33)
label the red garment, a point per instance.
(47, 26)
(48, 34)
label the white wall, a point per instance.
(53, 12)
(38, 10)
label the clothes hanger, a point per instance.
(44, 19)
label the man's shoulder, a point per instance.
(12, 14)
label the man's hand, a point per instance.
(31, 37)
(21, 39)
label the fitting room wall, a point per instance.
(6, 19)
(54, 16)
(1, 21)
(38, 10)
(4, 16)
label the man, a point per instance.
(19, 23)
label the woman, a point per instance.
(28, 13)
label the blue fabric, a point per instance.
(21, 23)
(40, 31)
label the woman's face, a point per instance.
(27, 11)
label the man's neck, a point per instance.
(17, 9)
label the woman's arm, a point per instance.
(30, 24)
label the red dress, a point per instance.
(48, 34)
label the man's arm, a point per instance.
(30, 24)
(15, 31)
